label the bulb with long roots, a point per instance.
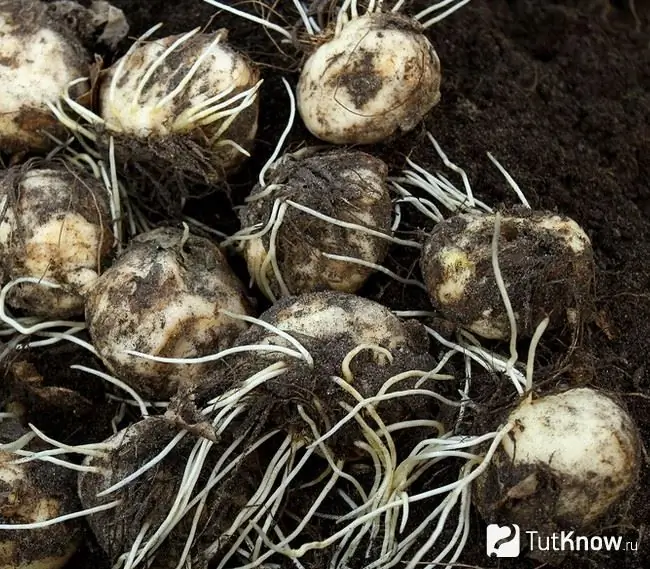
(184, 106)
(331, 370)
(324, 221)
(369, 75)
(176, 492)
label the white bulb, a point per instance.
(38, 58)
(56, 227)
(34, 492)
(378, 77)
(180, 99)
(163, 297)
(568, 459)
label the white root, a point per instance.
(145, 467)
(61, 519)
(250, 17)
(218, 355)
(42, 325)
(443, 190)
(251, 320)
(376, 267)
(458, 4)
(118, 383)
(503, 291)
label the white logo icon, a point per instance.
(503, 541)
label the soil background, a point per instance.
(559, 92)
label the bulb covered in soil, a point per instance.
(55, 226)
(297, 254)
(378, 77)
(349, 340)
(33, 492)
(568, 459)
(42, 50)
(545, 259)
(185, 104)
(163, 296)
(148, 500)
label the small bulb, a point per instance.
(380, 76)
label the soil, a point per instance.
(559, 92)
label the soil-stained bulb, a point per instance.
(378, 77)
(327, 219)
(164, 296)
(55, 226)
(545, 259)
(39, 56)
